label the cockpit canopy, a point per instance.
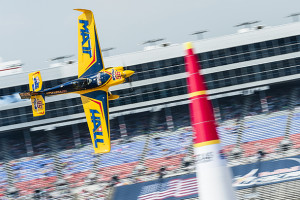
(81, 83)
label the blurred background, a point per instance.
(249, 54)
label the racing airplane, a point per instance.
(92, 84)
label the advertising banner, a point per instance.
(185, 186)
(267, 172)
(174, 188)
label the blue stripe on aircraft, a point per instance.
(101, 96)
(98, 65)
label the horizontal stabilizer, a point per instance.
(38, 105)
(35, 81)
(113, 97)
(25, 95)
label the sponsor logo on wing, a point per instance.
(38, 104)
(97, 129)
(85, 34)
(36, 83)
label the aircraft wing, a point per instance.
(95, 106)
(89, 52)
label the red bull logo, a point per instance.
(116, 74)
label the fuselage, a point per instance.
(99, 81)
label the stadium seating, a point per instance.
(164, 149)
(277, 102)
(32, 173)
(174, 144)
(264, 127)
(77, 179)
(39, 144)
(121, 170)
(30, 168)
(296, 140)
(230, 108)
(167, 151)
(295, 129)
(228, 135)
(76, 161)
(295, 125)
(267, 145)
(263, 132)
(28, 187)
(77, 164)
(122, 153)
(3, 179)
(16, 147)
(170, 163)
(121, 160)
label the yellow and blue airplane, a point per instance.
(92, 84)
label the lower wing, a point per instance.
(95, 106)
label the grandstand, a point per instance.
(253, 81)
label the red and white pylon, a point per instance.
(213, 176)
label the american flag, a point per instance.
(174, 188)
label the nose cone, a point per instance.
(127, 73)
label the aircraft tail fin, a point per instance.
(35, 94)
(38, 105)
(35, 81)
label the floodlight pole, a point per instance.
(107, 50)
(247, 24)
(295, 17)
(60, 58)
(153, 41)
(199, 34)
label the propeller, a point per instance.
(129, 79)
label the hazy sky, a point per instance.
(36, 30)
